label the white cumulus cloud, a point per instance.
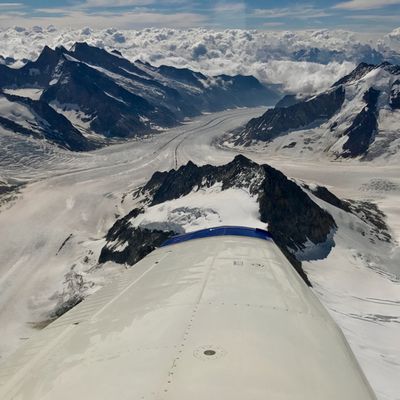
(365, 4)
(301, 61)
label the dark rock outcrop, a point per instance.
(293, 219)
(239, 173)
(324, 194)
(288, 100)
(138, 241)
(36, 73)
(278, 121)
(374, 217)
(141, 241)
(113, 110)
(362, 131)
(111, 61)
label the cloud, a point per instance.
(229, 7)
(71, 18)
(198, 50)
(271, 56)
(372, 17)
(87, 4)
(365, 4)
(54, 10)
(303, 77)
(272, 24)
(115, 3)
(393, 39)
(10, 7)
(297, 12)
(299, 61)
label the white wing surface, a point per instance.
(223, 317)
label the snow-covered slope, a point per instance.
(357, 117)
(35, 118)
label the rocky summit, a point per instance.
(294, 220)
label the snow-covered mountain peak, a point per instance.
(103, 95)
(358, 117)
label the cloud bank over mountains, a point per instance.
(300, 61)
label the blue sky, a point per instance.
(375, 16)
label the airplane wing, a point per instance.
(219, 314)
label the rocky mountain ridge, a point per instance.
(103, 95)
(293, 219)
(358, 117)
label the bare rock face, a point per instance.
(324, 194)
(288, 101)
(280, 120)
(361, 132)
(113, 111)
(240, 173)
(293, 219)
(140, 242)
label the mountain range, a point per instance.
(271, 56)
(81, 98)
(85, 97)
(358, 117)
